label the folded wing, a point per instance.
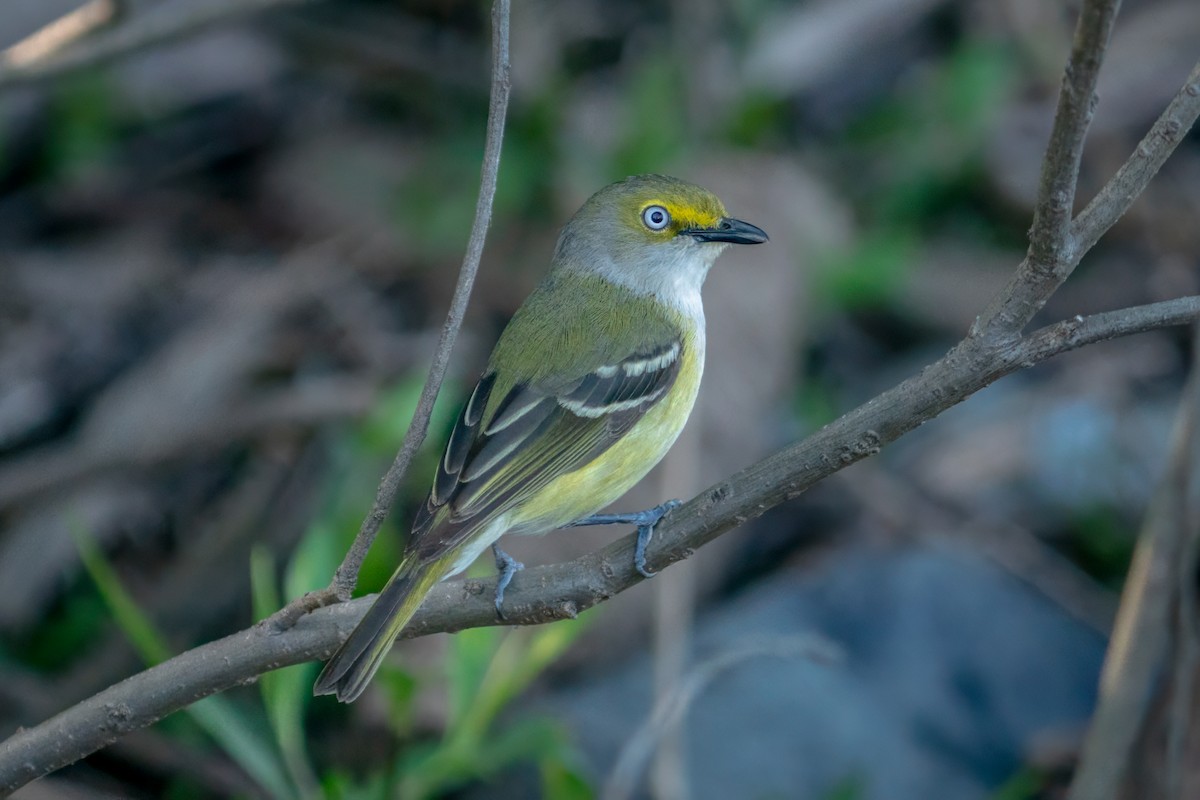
(501, 453)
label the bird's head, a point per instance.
(652, 233)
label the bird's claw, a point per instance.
(507, 566)
(645, 531)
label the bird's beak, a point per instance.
(730, 230)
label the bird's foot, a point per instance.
(645, 522)
(507, 566)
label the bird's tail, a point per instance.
(359, 657)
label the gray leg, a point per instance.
(645, 521)
(508, 566)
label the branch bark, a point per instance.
(344, 580)
(152, 29)
(62, 32)
(561, 591)
(1052, 254)
(1111, 203)
(993, 348)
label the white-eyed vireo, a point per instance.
(588, 387)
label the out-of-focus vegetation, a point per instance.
(195, 409)
(920, 152)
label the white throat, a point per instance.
(675, 279)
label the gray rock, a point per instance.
(950, 668)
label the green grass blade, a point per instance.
(224, 722)
(285, 692)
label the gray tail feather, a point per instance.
(351, 668)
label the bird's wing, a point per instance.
(501, 453)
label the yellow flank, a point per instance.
(592, 487)
(624, 285)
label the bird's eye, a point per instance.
(656, 217)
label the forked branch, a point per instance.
(994, 348)
(346, 576)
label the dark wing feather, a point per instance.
(531, 437)
(461, 439)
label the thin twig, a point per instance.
(560, 591)
(670, 710)
(62, 32)
(1131, 179)
(346, 576)
(347, 572)
(1052, 255)
(544, 594)
(141, 32)
(1076, 105)
(1076, 333)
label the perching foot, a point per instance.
(645, 522)
(507, 566)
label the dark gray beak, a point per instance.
(730, 230)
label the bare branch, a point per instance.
(548, 593)
(1075, 333)
(62, 32)
(346, 576)
(672, 707)
(993, 349)
(1076, 104)
(151, 29)
(1131, 179)
(1051, 255)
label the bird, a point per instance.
(588, 386)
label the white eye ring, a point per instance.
(656, 218)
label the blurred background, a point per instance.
(224, 261)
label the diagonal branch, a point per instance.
(1075, 333)
(151, 29)
(1052, 254)
(62, 32)
(1076, 105)
(1131, 179)
(548, 593)
(346, 576)
(993, 348)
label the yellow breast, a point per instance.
(592, 487)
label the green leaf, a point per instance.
(314, 560)
(340, 786)
(852, 787)
(870, 274)
(1027, 784)
(563, 780)
(523, 655)
(471, 655)
(488, 668)
(286, 692)
(85, 125)
(524, 740)
(656, 125)
(399, 687)
(243, 741)
(234, 731)
(133, 623)
(67, 634)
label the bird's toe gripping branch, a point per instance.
(507, 566)
(645, 522)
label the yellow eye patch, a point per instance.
(682, 215)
